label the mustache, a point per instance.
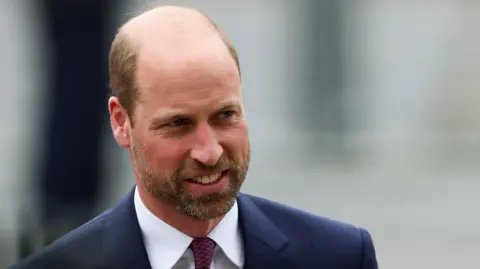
(192, 167)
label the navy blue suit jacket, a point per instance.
(274, 236)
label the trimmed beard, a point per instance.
(171, 189)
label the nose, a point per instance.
(207, 149)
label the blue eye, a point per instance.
(177, 123)
(226, 114)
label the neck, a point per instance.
(190, 226)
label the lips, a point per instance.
(207, 179)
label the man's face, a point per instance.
(190, 144)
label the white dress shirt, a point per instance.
(167, 247)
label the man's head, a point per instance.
(177, 105)
(125, 48)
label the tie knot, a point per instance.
(203, 249)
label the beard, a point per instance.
(172, 190)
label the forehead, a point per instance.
(185, 66)
(187, 75)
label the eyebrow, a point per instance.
(166, 117)
(173, 115)
(230, 105)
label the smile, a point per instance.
(208, 179)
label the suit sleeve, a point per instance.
(369, 259)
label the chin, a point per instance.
(209, 210)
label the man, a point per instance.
(177, 108)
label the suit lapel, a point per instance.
(123, 239)
(263, 242)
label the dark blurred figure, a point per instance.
(69, 176)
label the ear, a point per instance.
(120, 122)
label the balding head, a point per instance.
(170, 24)
(158, 33)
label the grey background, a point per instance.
(364, 111)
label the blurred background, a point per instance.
(364, 111)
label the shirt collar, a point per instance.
(171, 244)
(166, 242)
(228, 237)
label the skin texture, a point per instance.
(189, 119)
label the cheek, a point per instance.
(236, 139)
(165, 155)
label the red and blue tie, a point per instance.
(203, 249)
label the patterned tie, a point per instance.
(203, 249)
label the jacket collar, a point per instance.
(264, 243)
(123, 239)
(262, 240)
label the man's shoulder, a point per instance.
(297, 223)
(76, 249)
(313, 240)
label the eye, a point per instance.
(226, 114)
(178, 123)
